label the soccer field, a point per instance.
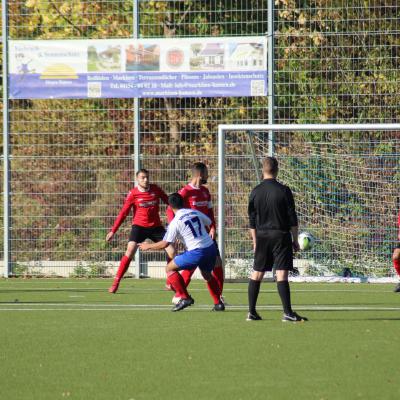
(71, 339)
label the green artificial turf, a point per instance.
(70, 339)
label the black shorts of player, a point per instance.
(273, 249)
(397, 247)
(140, 233)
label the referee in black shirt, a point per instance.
(274, 230)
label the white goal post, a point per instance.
(386, 139)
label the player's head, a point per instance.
(142, 178)
(270, 167)
(175, 200)
(200, 171)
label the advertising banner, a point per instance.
(125, 68)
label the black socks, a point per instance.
(284, 293)
(253, 290)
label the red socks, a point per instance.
(123, 266)
(175, 279)
(214, 290)
(396, 265)
(218, 274)
(187, 276)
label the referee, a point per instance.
(274, 230)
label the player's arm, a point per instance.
(213, 224)
(253, 238)
(154, 246)
(170, 214)
(204, 218)
(252, 212)
(294, 229)
(169, 238)
(212, 217)
(163, 196)
(128, 204)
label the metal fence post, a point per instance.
(221, 193)
(6, 148)
(136, 128)
(270, 72)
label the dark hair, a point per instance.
(175, 200)
(142, 171)
(270, 165)
(199, 167)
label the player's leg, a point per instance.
(282, 282)
(206, 265)
(218, 272)
(283, 262)
(187, 276)
(124, 265)
(175, 279)
(252, 291)
(156, 235)
(214, 290)
(262, 263)
(171, 253)
(396, 265)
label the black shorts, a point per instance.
(397, 247)
(140, 233)
(273, 249)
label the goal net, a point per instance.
(345, 180)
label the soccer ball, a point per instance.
(306, 241)
(176, 300)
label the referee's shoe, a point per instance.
(293, 317)
(253, 316)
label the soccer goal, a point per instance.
(346, 181)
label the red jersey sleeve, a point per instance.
(211, 212)
(128, 204)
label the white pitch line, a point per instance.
(144, 290)
(163, 307)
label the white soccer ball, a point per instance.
(306, 241)
(175, 300)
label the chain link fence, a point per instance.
(72, 160)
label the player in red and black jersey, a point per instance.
(144, 199)
(197, 197)
(396, 256)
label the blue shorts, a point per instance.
(202, 258)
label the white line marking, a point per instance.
(163, 307)
(127, 290)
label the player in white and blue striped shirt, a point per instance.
(190, 227)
